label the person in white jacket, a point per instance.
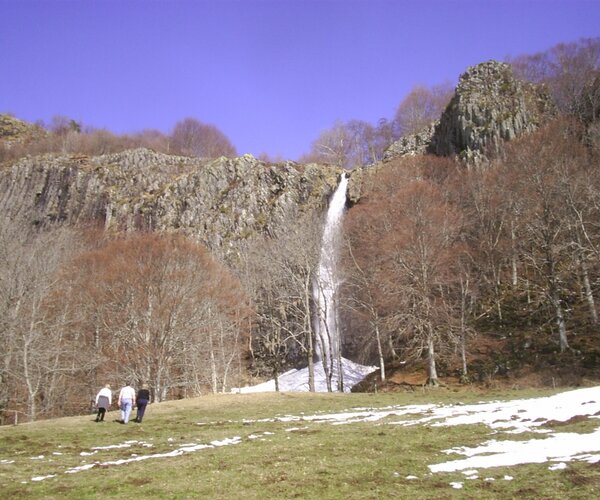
(103, 402)
(126, 399)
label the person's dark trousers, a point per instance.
(100, 416)
(141, 408)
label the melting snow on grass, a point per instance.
(181, 450)
(186, 448)
(510, 417)
(536, 416)
(525, 416)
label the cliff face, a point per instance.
(217, 202)
(489, 106)
(228, 200)
(232, 199)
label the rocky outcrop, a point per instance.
(489, 106)
(15, 131)
(413, 144)
(219, 202)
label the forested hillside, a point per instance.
(469, 252)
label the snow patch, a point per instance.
(521, 416)
(559, 466)
(41, 478)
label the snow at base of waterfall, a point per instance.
(297, 380)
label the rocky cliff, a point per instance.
(217, 202)
(224, 201)
(489, 106)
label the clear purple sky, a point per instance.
(271, 74)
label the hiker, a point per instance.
(142, 399)
(126, 399)
(103, 402)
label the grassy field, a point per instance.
(257, 453)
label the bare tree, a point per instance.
(422, 258)
(156, 297)
(194, 138)
(360, 290)
(350, 144)
(422, 106)
(493, 209)
(548, 178)
(35, 325)
(333, 146)
(284, 266)
(276, 337)
(568, 69)
(413, 244)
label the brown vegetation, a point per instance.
(63, 135)
(142, 308)
(505, 253)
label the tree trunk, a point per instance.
(392, 348)
(513, 257)
(555, 299)
(498, 301)
(213, 371)
(340, 380)
(560, 322)
(311, 366)
(589, 296)
(326, 357)
(276, 378)
(432, 378)
(463, 357)
(32, 387)
(380, 352)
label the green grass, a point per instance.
(316, 460)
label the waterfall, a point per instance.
(332, 368)
(327, 282)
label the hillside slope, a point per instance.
(292, 445)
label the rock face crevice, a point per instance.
(218, 202)
(489, 106)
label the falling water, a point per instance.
(333, 370)
(327, 282)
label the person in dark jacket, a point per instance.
(141, 400)
(103, 402)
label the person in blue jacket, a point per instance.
(141, 400)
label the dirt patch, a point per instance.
(573, 420)
(403, 378)
(527, 492)
(576, 478)
(304, 431)
(139, 481)
(416, 379)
